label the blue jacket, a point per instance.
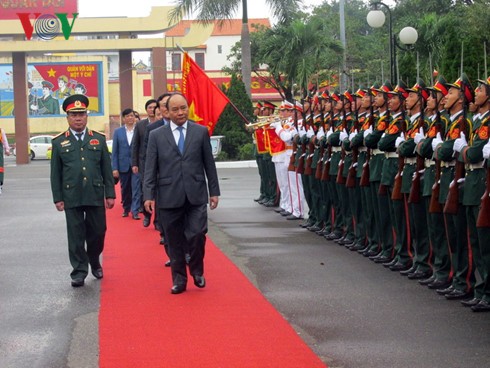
(121, 151)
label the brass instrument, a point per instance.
(262, 121)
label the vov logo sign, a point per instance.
(47, 26)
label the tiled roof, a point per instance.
(231, 27)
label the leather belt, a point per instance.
(377, 152)
(428, 163)
(362, 149)
(391, 155)
(410, 160)
(336, 149)
(448, 164)
(478, 165)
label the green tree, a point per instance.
(230, 124)
(209, 10)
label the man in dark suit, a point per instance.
(137, 147)
(179, 158)
(121, 165)
(82, 184)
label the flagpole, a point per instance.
(229, 101)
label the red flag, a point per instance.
(275, 144)
(206, 100)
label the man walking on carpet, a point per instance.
(179, 158)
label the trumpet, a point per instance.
(262, 121)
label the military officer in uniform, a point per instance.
(82, 185)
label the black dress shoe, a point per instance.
(314, 228)
(305, 224)
(445, 291)
(146, 221)
(284, 213)
(357, 248)
(470, 302)
(439, 284)
(278, 210)
(77, 282)
(320, 232)
(420, 275)
(199, 281)
(457, 294)
(292, 217)
(428, 281)
(483, 306)
(125, 214)
(167, 264)
(389, 263)
(411, 270)
(270, 204)
(177, 289)
(258, 199)
(136, 217)
(376, 256)
(399, 267)
(333, 236)
(98, 273)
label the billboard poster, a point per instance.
(48, 84)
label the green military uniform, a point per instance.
(81, 177)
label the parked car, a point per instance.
(39, 146)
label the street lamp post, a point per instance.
(408, 35)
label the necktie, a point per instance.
(180, 144)
(79, 137)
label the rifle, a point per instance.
(326, 166)
(293, 155)
(352, 174)
(309, 160)
(452, 201)
(414, 196)
(397, 195)
(434, 205)
(484, 214)
(340, 178)
(365, 169)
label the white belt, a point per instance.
(478, 165)
(336, 149)
(410, 160)
(448, 164)
(391, 155)
(377, 152)
(362, 149)
(428, 163)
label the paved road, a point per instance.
(353, 313)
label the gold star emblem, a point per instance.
(51, 73)
(192, 113)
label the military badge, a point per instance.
(483, 132)
(432, 132)
(65, 143)
(454, 134)
(393, 129)
(94, 142)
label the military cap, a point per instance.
(47, 84)
(361, 92)
(325, 94)
(386, 88)
(298, 106)
(373, 90)
(63, 78)
(317, 118)
(287, 105)
(485, 82)
(335, 96)
(464, 85)
(401, 90)
(269, 105)
(440, 86)
(347, 95)
(75, 103)
(420, 88)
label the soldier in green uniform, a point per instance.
(438, 123)
(47, 104)
(482, 98)
(460, 94)
(471, 153)
(372, 136)
(388, 143)
(418, 124)
(82, 185)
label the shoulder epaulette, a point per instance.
(90, 132)
(62, 133)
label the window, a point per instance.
(176, 62)
(220, 49)
(200, 60)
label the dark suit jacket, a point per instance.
(176, 177)
(137, 145)
(121, 151)
(81, 176)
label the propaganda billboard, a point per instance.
(48, 84)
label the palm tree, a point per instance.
(222, 10)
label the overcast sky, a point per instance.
(141, 8)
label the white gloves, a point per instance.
(310, 133)
(399, 140)
(352, 135)
(367, 132)
(321, 133)
(383, 135)
(419, 136)
(460, 143)
(302, 132)
(486, 150)
(330, 131)
(275, 124)
(343, 135)
(436, 141)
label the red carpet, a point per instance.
(227, 324)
